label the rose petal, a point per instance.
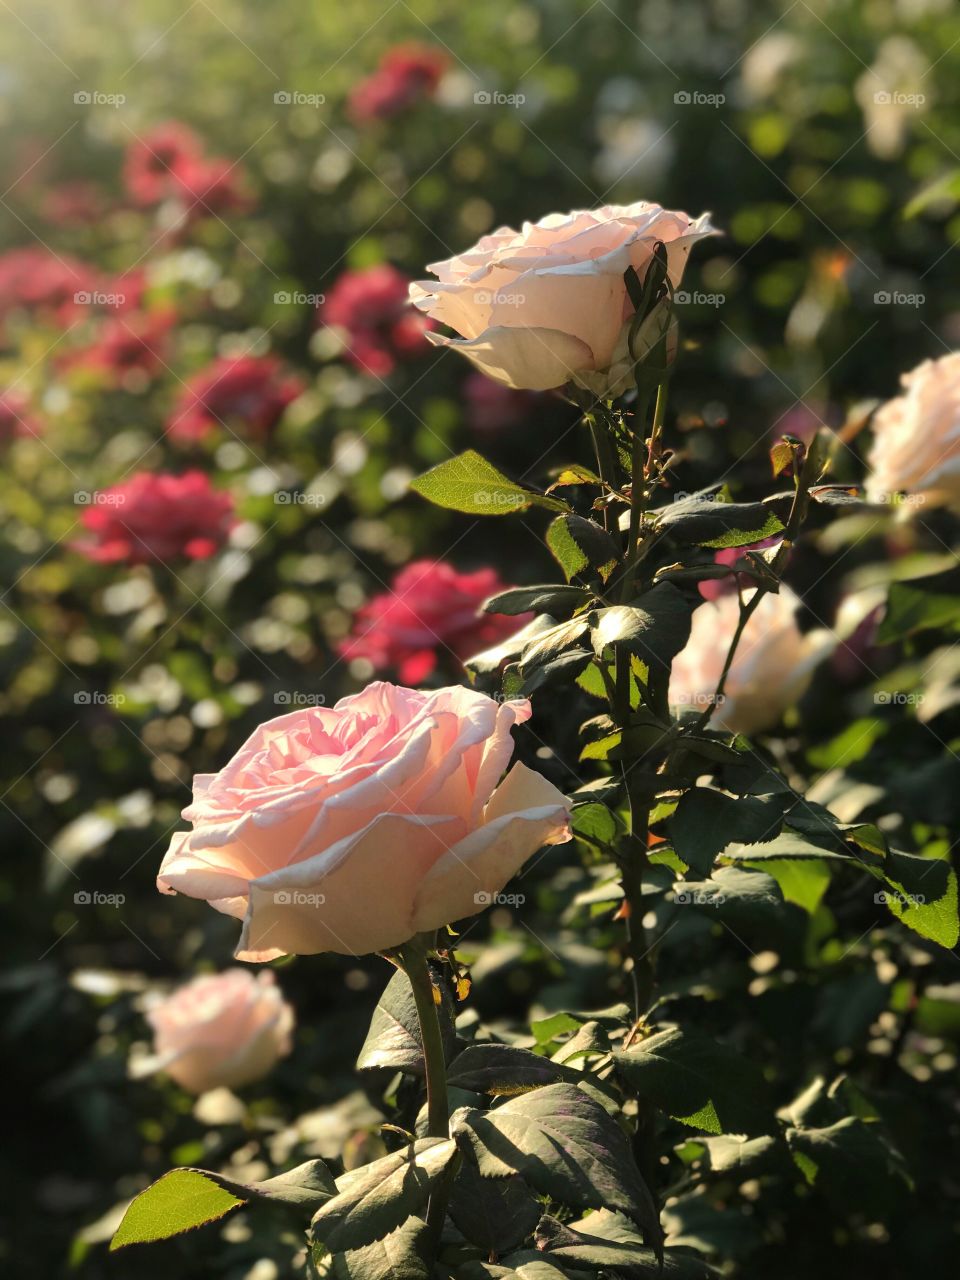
(536, 359)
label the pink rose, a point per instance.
(370, 310)
(354, 827)
(407, 73)
(157, 517)
(251, 392)
(916, 437)
(539, 307)
(221, 1030)
(772, 668)
(430, 608)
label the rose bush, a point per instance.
(391, 789)
(538, 307)
(221, 1030)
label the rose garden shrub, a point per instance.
(718, 1025)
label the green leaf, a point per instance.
(655, 626)
(394, 1037)
(802, 881)
(788, 844)
(922, 893)
(699, 1082)
(852, 1163)
(179, 1201)
(578, 544)
(491, 660)
(597, 1244)
(402, 1253)
(732, 1153)
(550, 644)
(597, 824)
(706, 821)
(733, 893)
(551, 598)
(565, 1146)
(471, 484)
(504, 1070)
(374, 1200)
(697, 521)
(497, 1214)
(911, 608)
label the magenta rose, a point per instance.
(370, 311)
(250, 392)
(352, 828)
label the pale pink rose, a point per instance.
(772, 668)
(916, 437)
(539, 307)
(221, 1030)
(351, 828)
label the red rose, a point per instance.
(250, 390)
(16, 417)
(407, 73)
(54, 285)
(430, 607)
(371, 310)
(153, 162)
(157, 517)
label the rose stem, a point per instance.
(413, 959)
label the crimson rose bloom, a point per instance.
(371, 308)
(44, 282)
(130, 343)
(407, 73)
(16, 416)
(251, 390)
(155, 517)
(153, 162)
(211, 186)
(430, 606)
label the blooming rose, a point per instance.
(370, 310)
(134, 343)
(351, 828)
(153, 162)
(221, 1030)
(407, 72)
(772, 668)
(157, 517)
(56, 286)
(916, 437)
(538, 307)
(430, 606)
(252, 391)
